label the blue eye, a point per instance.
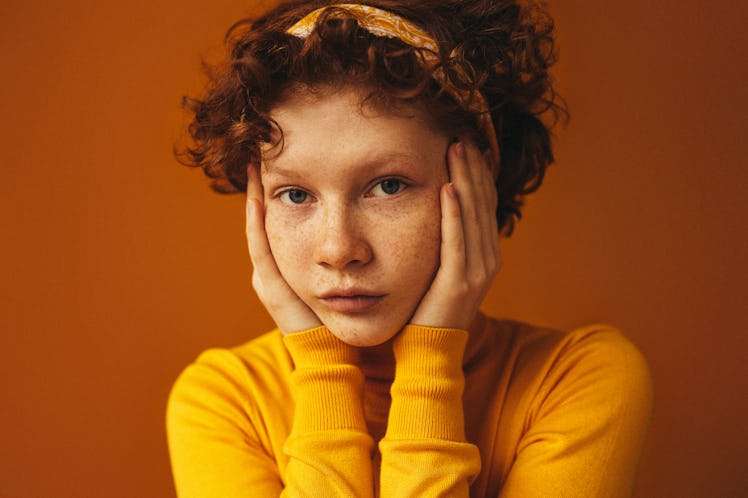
(294, 196)
(390, 186)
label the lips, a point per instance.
(351, 301)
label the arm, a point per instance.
(217, 451)
(424, 452)
(329, 448)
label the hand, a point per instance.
(469, 257)
(287, 310)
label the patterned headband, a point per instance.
(383, 23)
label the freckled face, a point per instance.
(352, 211)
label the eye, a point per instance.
(293, 196)
(390, 186)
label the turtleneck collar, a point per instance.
(378, 362)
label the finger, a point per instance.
(493, 229)
(262, 258)
(255, 220)
(481, 184)
(465, 187)
(490, 184)
(480, 235)
(254, 182)
(263, 262)
(452, 252)
(492, 181)
(487, 199)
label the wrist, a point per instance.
(430, 350)
(317, 347)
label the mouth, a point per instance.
(351, 301)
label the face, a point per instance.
(352, 210)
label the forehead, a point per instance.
(360, 104)
(342, 124)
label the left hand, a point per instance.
(469, 257)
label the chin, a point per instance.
(362, 335)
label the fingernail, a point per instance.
(460, 149)
(451, 190)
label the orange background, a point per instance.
(119, 266)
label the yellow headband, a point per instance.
(383, 23)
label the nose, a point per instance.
(342, 239)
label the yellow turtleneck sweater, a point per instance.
(506, 409)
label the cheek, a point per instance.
(429, 243)
(286, 243)
(416, 246)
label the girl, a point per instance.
(383, 147)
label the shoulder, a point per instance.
(600, 354)
(226, 419)
(596, 363)
(229, 381)
(254, 357)
(596, 346)
(605, 347)
(578, 404)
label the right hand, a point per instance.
(285, 307)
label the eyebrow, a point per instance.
(372, 163)
(279, 170)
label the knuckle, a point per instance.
(462, 289)
(497, 265)
(493, 266)
(478, 278)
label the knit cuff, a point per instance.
(428, 385)
(326, 383)
(317, 346)
(430, 351)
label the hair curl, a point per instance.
(502, 48)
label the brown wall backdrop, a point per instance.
(119, 266)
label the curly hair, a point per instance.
(501, 48)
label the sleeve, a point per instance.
(216, 452)
(329, 448)
(588, 423)
(424, 451)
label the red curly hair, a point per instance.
(501, 48)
